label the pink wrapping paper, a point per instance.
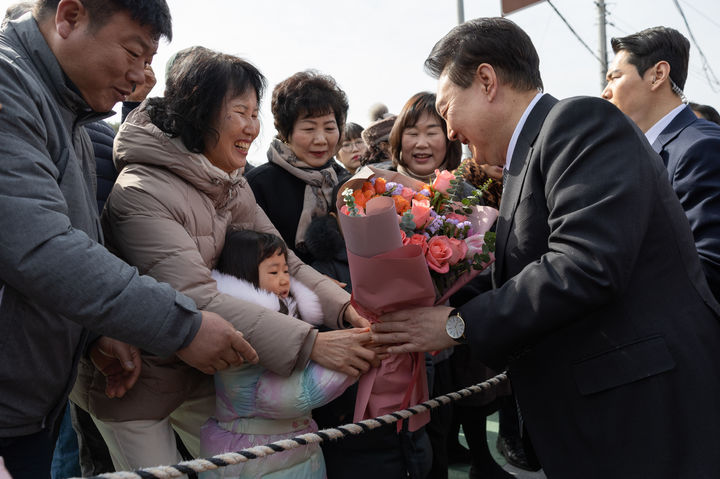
(386, 277)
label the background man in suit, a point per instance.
(645, 80)
(601, 310)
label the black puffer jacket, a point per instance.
(102, 136)
(325, 243)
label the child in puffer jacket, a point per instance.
(255, 406)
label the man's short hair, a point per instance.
(649, 46)
(496, 41)
(152, 13)
(706, 111)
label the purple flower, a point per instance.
(436, 224)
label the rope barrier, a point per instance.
(332, 434)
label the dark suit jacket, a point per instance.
(601, 309)
(690, 148)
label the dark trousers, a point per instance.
(28, 457)
(382, 453)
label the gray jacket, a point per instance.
(57, 281)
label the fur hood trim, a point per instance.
(308, 303)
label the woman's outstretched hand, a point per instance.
(345, 350)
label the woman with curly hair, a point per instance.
(296, 183)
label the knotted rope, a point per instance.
(332, 434)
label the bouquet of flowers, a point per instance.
(409, 244)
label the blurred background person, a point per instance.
(705, 111)
(352, 147)
(376, 137)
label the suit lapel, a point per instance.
(678, 124)
(516, 178)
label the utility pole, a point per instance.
(461, 11)
(603, 43)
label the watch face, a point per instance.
(455, 327)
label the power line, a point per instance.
(704, 15)
(575, 33)
(709, 74)
(624, 32)
(613, 24)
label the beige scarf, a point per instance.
(425, 179)
(319, 184)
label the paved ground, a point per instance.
(460, 471)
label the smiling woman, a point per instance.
(296, 184)
(180, 189)
(418, 141)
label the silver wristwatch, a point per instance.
(455, 326)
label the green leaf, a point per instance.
(407, 224)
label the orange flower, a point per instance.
(401, 204)
(367, 186)
(380, 186)
(362, 197)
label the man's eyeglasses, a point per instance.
(351, 145)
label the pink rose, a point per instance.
(421, 212)
(442, 180)
(439, 253)
(419, 240)
(459, 249)
(474, 244)
(407, 193)
(405, 239)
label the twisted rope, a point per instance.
(336, 433)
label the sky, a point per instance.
(375, 49)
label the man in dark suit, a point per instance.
(600, 309)
(645, 80)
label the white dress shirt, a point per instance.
(658, 127)
(518, 129)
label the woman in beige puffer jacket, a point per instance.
(167, 215)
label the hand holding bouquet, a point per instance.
(409, 244)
